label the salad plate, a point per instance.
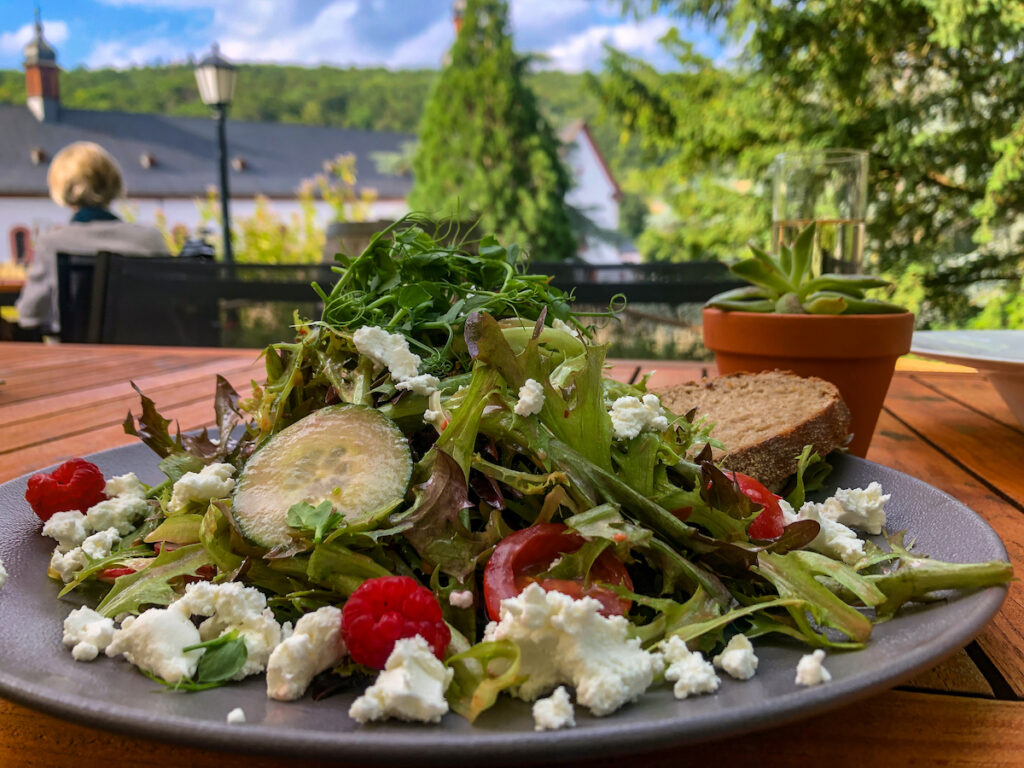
(38, 671)
(997, 354)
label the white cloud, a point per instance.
(425, 50)
(545, 14)
(121, 55)
(55, 32)
(585, 50)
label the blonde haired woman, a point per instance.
(84, 177)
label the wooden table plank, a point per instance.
(191, 414)
(974, 392)
(889, 727)
(42, 407)
(896, 446)
(907, 727)
(985, 447)
(23, 433)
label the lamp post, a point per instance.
(215, 77)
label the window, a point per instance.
(21, 246)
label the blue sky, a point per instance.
(393, 33)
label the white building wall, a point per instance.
(38, 214)
(594, 195)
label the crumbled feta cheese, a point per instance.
(155, 640)
(390, 350)
(554, 712)
(631, 416)
(69, 528)
(87, 633)
(424, 384)
(411, 687)
(100, 544)
(860, 508)
(233, 606)
(531, 398)
(214, 481)
(558, 325)
(3, 574)
(125, 485)
(236, 716)
(313, 646)
(834, 539)
(568, 641)
(462, 598)
(809, 670)
(690, 672)
(738, 658)
(67, 564)
(125, 504)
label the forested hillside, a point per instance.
(377, 99)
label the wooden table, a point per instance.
(941, 423)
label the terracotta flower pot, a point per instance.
(857, 353)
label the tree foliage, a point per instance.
(933, 88)
(485, 150)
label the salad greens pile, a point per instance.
(484, 326)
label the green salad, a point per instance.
(448, 420)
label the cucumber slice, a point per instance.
(351, 455)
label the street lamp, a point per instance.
(215, 77)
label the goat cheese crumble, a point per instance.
(313, 646)
(860, 508)
(214, 481)
(124, 505)
(567, 641)
(69, 528)
(233, 606)
(810, 671)
(834, 539)
(631, 416)
(531, 398)
(155, 642)
(461, 598)
(391, 350)
(86, 633)
(411, 686)
(554, 712)
(690, 672)
(236, 716)
(738, 658)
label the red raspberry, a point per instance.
(75, 484)
(386, 609)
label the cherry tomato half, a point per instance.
(769, 524)
(521, 557)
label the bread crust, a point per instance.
(770, 458)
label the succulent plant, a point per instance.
(784, 284)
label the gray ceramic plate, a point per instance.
(36, 670)
(997, 354)
(988, 350)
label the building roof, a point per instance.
(182, 153)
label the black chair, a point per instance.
(651, 283)
(185, 302)
(81, 289)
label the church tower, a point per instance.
(42, 77)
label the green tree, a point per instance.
(485, 150)
(933, 88)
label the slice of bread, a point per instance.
(765, 419)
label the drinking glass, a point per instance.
(828, 187)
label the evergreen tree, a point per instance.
(485, 150)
